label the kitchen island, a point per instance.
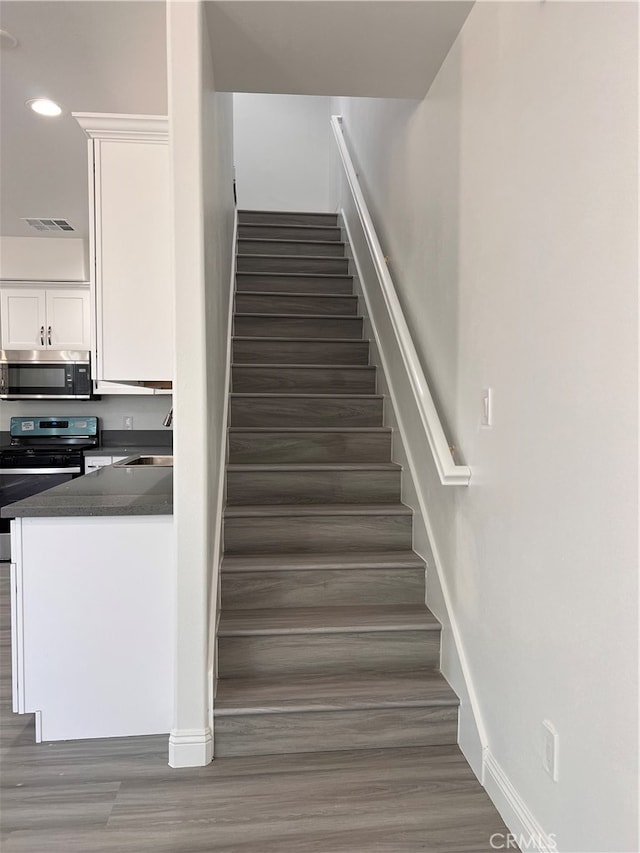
(143, 490)
(93, 605)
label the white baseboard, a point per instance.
(190, 748)
(523, 827)
(37, 715)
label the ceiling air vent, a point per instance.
(49, 224)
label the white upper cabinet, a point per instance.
(38, 318)
(23, 319)
(131, 249)
(68, 319)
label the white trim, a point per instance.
(513, 810)
(190, 747)
(450, 474)
(120, 126)
(17, 618)
(218, 544)
(422, 500)
(37, 720)
(48, 283)
(95, 249)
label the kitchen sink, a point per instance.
(136, 461)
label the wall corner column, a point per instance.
(191, 742)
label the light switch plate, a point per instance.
(486, 419)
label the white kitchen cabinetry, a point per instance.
(93, 463)
(130, 248)
(92, 629)
(38, 318)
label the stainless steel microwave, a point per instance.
(45, 375)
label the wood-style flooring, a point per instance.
(119, 795)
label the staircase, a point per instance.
(324, 639)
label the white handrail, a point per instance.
(450, 474)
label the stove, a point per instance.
(43, 452)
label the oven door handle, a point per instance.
(4, 396)
(8, 471)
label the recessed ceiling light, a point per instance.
(44, 107)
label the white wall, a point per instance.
(147, 412)
(284, 154)
(44, 259)
(507, 203)
(201, 151)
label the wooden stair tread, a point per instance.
(313, 466)
(285, 212)
(307, 394)
(299, 317)
(258, 211)
(312, 429)
(291, 510)
(274, 225)
(289, 240)
(292, 294)
(295, 340)
(327, 620)
(252, 365)
(290, 257)
(322, 562)
(300, 694)
(329, 294)
(320, 275)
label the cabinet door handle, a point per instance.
(49, 335)
(42, 336)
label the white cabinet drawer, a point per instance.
(92, 463)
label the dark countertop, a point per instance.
(109, 491)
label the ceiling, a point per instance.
(90, 56)
(110, 56)
(360, 48)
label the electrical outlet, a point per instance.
(127, 422)
(550, 746)
(486, 419)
